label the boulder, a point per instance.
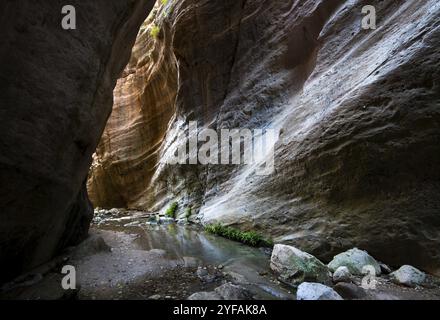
(342, 274)
(355, 260)
(294, 266)
(408, 276)
(316, 291)
(350, 291)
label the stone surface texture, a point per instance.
(357, 162)
(55, 97)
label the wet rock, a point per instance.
(408, 276)
(355, 260)
(350, 291)
(237, 278)
(342, 274)
(204, 296)
(229, 291)
(205, 276)
(92, 245)
(316, 291)
(294, 266)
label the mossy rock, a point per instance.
(294, 266)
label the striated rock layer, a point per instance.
(127, 155)
(55, 97)
(357, 162)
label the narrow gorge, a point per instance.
(90, 119)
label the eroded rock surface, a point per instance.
(357, 162)
(55, 96)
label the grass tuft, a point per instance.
(251, 238)
(171, 211)
(154, 32)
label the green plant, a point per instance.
(188, 213)
(171, 210)
(154, 32)
(251, 238)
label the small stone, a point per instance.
(201, 272)
(220, 266)
(155, 297)
(342, 274)
(408, 276)
(316, 291)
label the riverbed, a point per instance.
(155, 257)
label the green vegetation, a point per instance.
(164, 2)
(171, 211)
(154, 32)
(251, 238)
(188, 213)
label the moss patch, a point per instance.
(171, 211)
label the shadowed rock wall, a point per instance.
(55, 97)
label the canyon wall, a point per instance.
(128, 152)
(55, 97)
(357, 161)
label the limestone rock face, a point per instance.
(128, 153)
(55, 97)
(357, 162)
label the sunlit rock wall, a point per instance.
(357, 162)
(144, 98)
